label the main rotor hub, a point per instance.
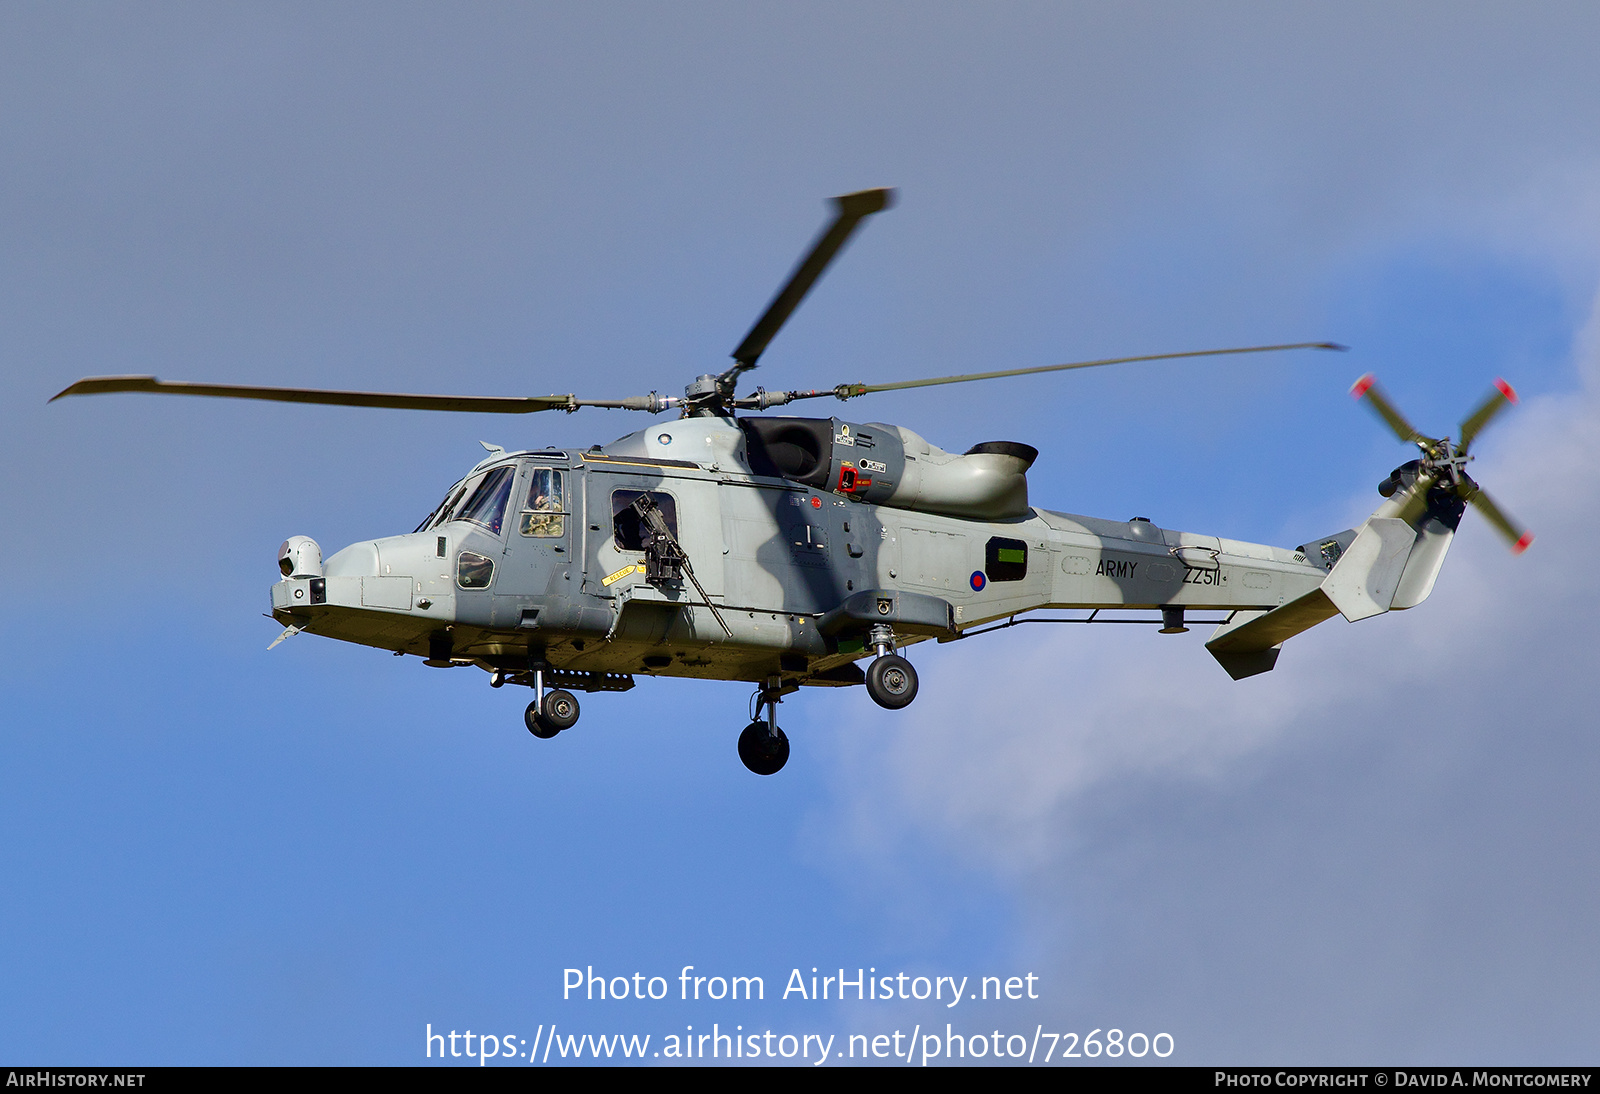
(707, 395)
(701, 388)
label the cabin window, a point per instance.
(544, 514)
(1005, 559)
(628, 529)
(474, 571)
(486, 497)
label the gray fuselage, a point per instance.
(796, 570)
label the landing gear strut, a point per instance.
(891, 681)
(550, 712)
(763, 746)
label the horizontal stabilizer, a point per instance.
(1248, 644)
(1240, 665)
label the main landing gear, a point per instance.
(763, 746)
(891, 681)
(550, 712)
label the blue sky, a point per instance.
(1381, 852)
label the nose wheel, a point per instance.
(536, 723)
(550, 712)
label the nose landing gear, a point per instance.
(536, 723)
(763, 746)
(550, 712)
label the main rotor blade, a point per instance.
(482, 404)
(1504, 395)
(868, 389)
(1516, 535)
(1367, 388)
(763, 400)
(852, 208)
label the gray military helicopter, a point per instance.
(783, 550)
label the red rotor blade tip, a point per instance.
(1359, 388)
(1507, 390)
(1522, 544)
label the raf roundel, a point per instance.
(977, 581)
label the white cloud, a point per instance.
(1384, 846)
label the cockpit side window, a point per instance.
(486, 497)
(544, 514)
(439, 515)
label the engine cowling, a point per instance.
(989, 480)
(893, 466)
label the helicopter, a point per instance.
(785, 551)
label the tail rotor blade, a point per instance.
(1504, 395)
(1516, 535)
(1367, 388)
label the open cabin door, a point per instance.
(615, 554)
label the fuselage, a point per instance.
(539, 557)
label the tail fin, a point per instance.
(1392, 561)
(1388, 564)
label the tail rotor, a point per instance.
(1438, 483)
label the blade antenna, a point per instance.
(852, 209)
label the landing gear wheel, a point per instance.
(536, 723)
(760, 751)
(560, 710)
(892, 682)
